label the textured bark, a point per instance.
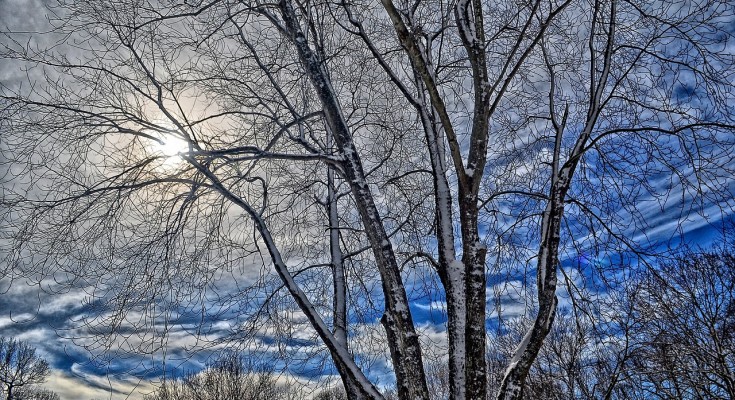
(469, 19)
(514, 378)
(473, 258)
(464, 282)
(397, 320)
(456, 328)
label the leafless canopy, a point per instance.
(194, 161)
(20, 368)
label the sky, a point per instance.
(54, 322)
(33, 315)
(45, 321)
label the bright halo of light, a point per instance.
(168, 149)
(165, 143)
(171, 146)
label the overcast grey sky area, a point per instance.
(181, 323)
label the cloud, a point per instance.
(8, 321)
(433, 306)
(86, 387)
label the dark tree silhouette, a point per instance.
(20, 368)
(684, 312)
(229, 377)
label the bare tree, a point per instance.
(35, 393)
(332, 394)
(664, 334)
(584, 357)
(685, 314)
(229, 377)
(543, 129)
(20, 368)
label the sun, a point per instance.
(167, 148)
(167, 143)
(171, 146)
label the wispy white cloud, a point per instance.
(85, 386)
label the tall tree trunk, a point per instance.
(451, 271)
(403, 341)
(473, 258)
(339, 307)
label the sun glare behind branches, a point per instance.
(168, 146)
(171, 146)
